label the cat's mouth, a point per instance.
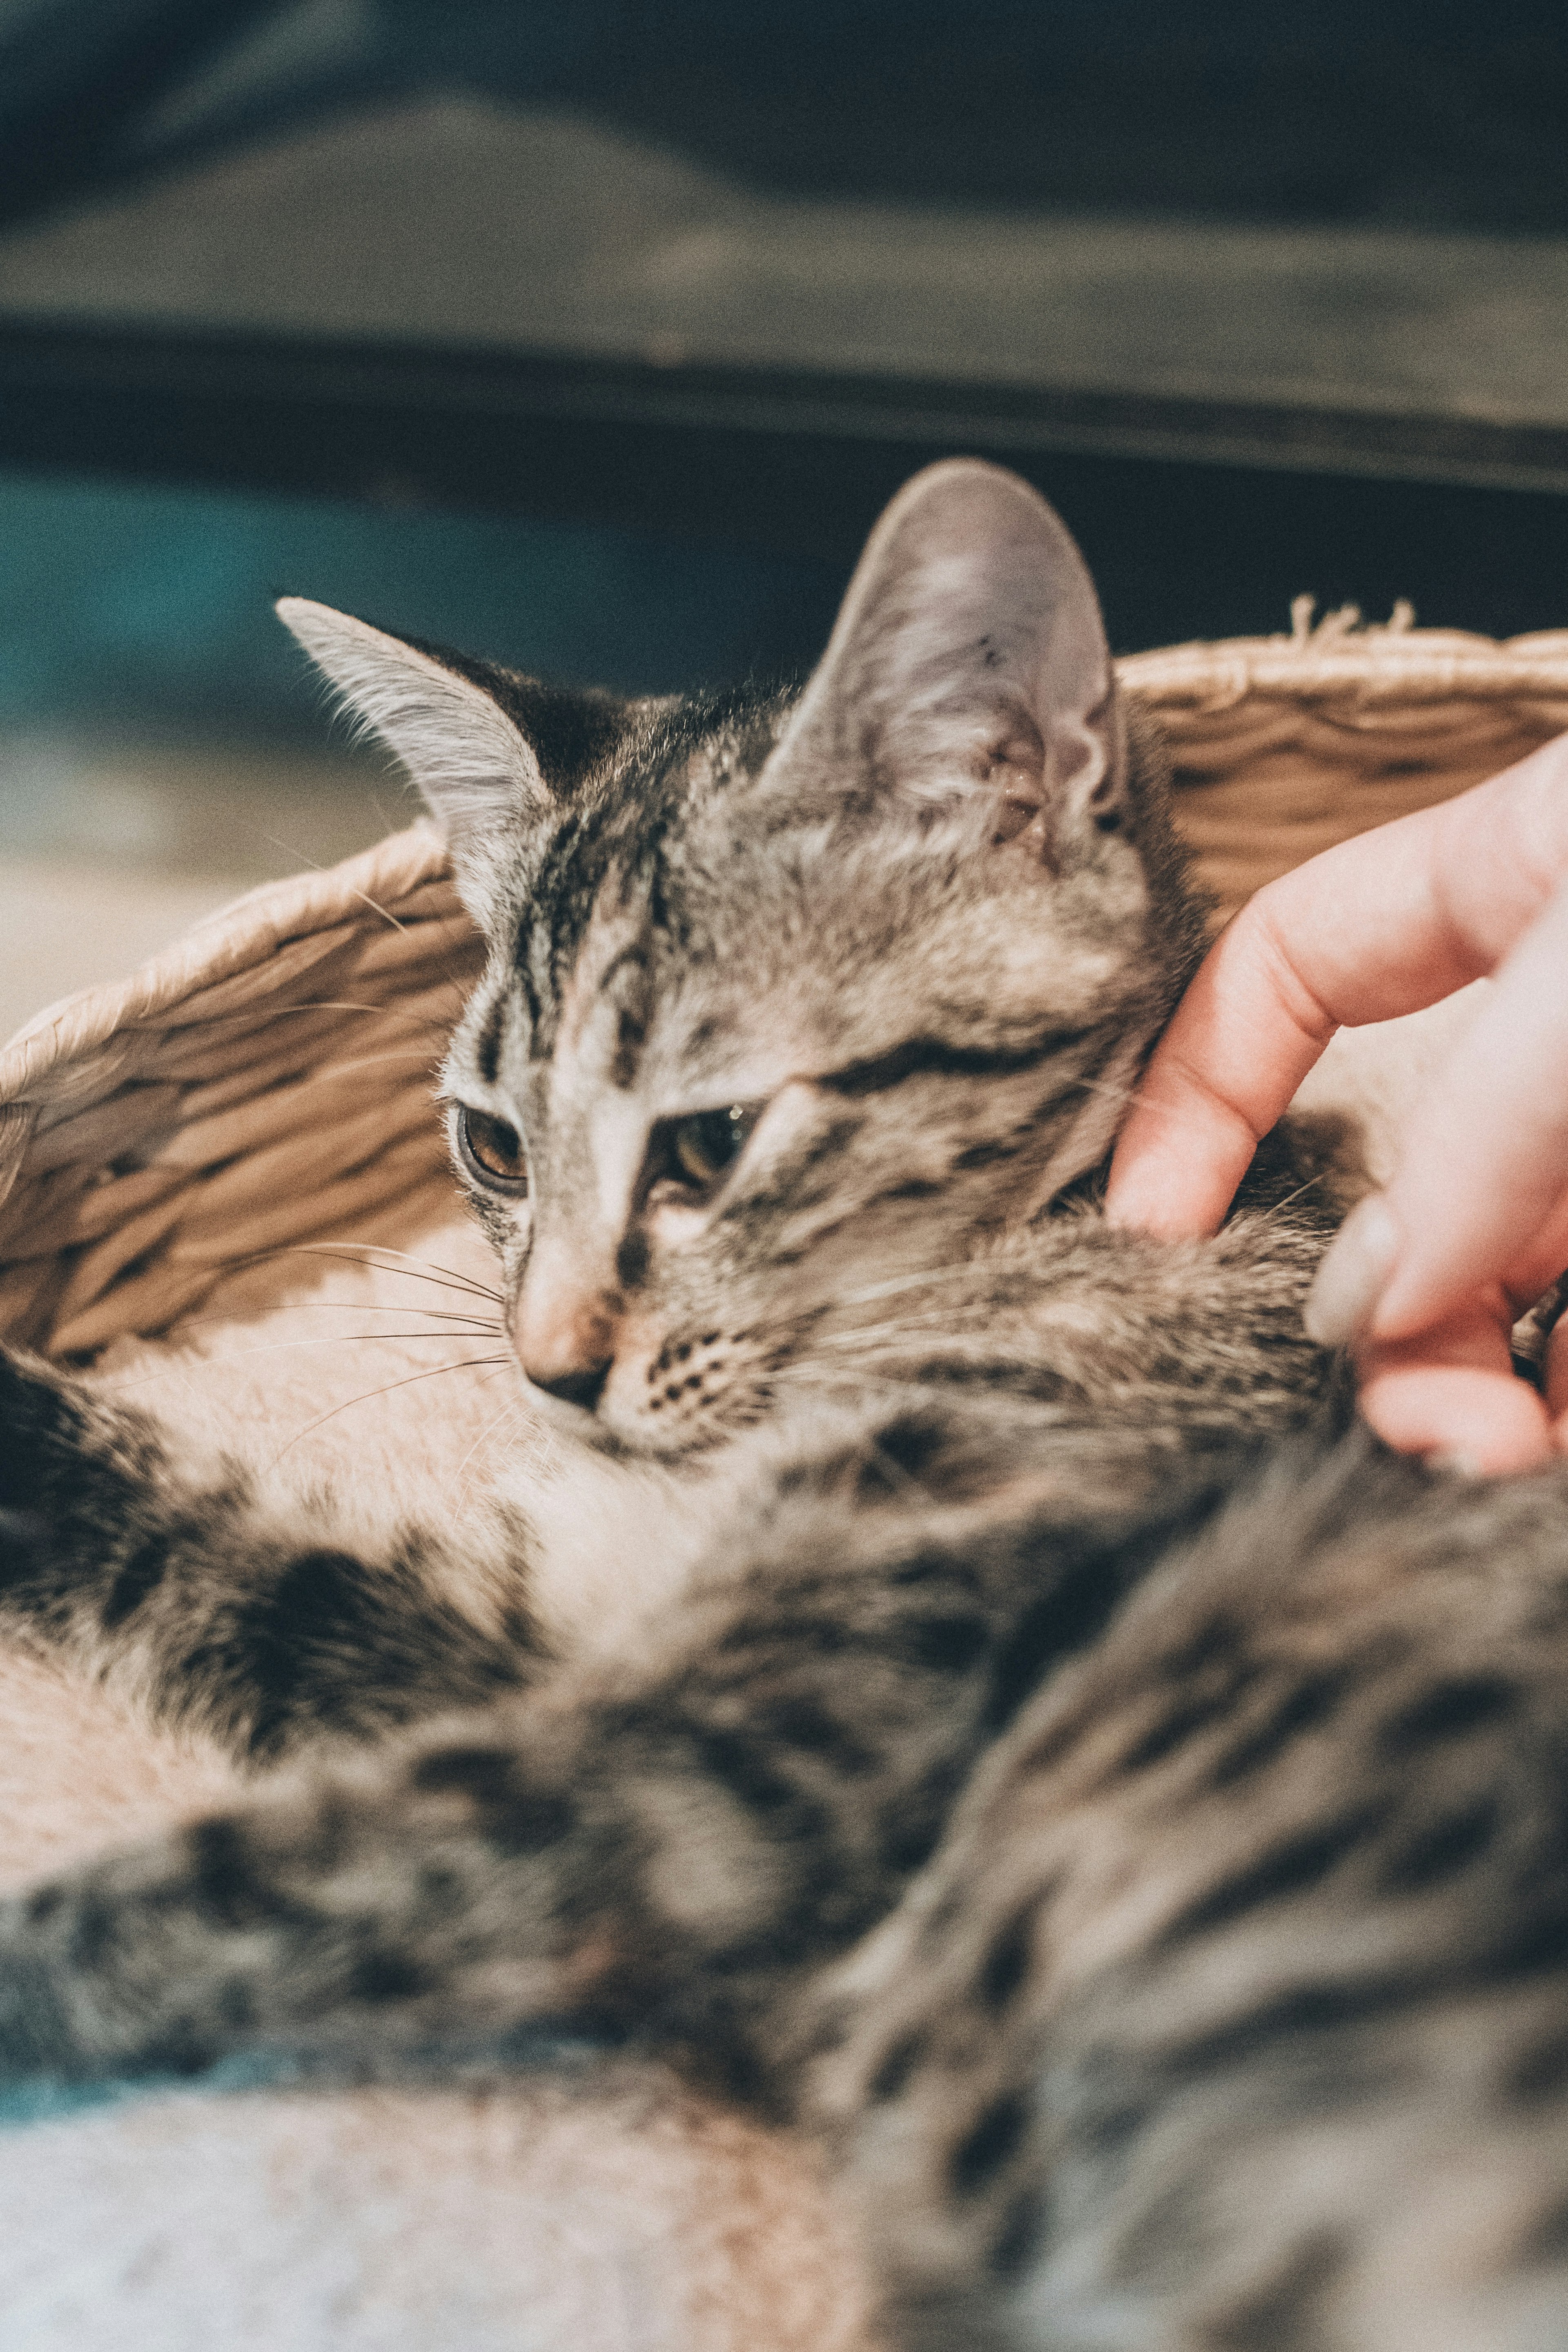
(680, 1396)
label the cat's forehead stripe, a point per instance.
(624, 984)
(488, 1044)
(631, 831)
(567, 888)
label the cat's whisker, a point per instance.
(468, 1317)
(427, 1264)
(469, 1364)
(344, 1307)
(392, 1011)
(416, 1269)
(364, 897)
(360, 731)
(890, 1330)
(379, 1061)
(507, 1413)
(271, 1346)
(366, 900)
(896, 1282)
(388, 824)
(1277, 1208)
(424, 1266)
(361, 1339)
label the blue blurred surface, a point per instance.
(129, 604)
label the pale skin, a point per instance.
(1427, 1278)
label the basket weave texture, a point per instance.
(1282, 746)
(265, 1082)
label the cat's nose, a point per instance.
(584, 1386)
(569, 1360)
(565, 1336)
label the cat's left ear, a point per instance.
(969, 669)
(479, 775)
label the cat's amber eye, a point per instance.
(707, 1143)
(492, 1150)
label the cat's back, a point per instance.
(1252, 1939)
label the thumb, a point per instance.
(1353, 1275)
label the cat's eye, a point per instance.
(706, 1144)
(492, 1150)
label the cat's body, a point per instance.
(1088, 1824)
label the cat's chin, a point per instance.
(646, 1442)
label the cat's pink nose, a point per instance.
(566, 1339)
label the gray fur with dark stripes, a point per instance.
(1137, 1851)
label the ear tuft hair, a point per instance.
(478, 775)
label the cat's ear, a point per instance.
(969, 669)
(479, 775)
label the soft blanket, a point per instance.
(601, 2209)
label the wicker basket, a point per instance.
(266, 1081)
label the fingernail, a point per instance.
(1354, 1275)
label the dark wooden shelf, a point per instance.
(494, 262)
(460, 303)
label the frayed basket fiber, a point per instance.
(166, 1143)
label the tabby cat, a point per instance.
(1036, 1746)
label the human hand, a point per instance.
(1427, 1277)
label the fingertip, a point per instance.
(1135, 1187)
(1459, 1416)
(1170, 1178)
(1352, 1275)
(1148, 1195)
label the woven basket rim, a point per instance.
(1387, 662)
(233, 939)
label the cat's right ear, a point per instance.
(968, 672)
(480, 776)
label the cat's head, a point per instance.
(791, 1001)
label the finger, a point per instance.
(1379, 926)
(1454, 1395)
(1358, 1269)
(1241, 1041)
(1556, 1381)
(1539, 1267)
(1352, 936)
(1477, 1198)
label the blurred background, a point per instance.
(592, 335)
